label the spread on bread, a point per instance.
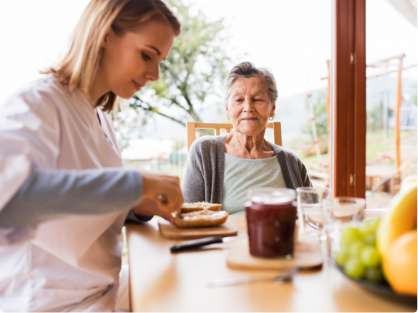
(198, 206)
(200, 214)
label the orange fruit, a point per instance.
(400, 219)
(400, 264)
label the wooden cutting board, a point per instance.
(307, 256)
(169, 231)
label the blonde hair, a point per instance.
(79, 67)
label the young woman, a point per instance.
(59, 123)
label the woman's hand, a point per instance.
(161, 196)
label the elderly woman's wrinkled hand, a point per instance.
(161, 196)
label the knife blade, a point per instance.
(196, 243)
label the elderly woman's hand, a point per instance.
(161, 196)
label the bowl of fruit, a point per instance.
(380, 254)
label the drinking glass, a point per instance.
(310, 207)
(339, 212)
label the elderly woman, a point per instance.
(223, 168)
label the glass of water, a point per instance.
(340, 212)
(310, 207)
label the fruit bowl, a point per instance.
(382, 289)
(356, 255)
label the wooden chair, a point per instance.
(218, 127)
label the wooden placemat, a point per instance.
(307, 255)
(172, 232)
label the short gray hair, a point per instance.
(247, 69)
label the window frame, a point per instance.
(348, 94)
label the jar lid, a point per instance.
(270, 195)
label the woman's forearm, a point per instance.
(47, 195)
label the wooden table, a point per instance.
(160, 281)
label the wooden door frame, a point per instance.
(349, 98)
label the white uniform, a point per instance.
(71, 264)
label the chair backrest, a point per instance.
(218, 127)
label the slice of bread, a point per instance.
(201, 218)
(198, 206)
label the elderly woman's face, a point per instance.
(249, 106)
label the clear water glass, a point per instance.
(310, 207)
(339, 212)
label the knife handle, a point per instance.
(196, 243)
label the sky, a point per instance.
(290, 37)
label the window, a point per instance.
(391, 150)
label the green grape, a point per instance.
(370, 239)
(342, 257)
(354, 268)
(355, 249)
(350, 234)
(368, 231)
(370, 257)
(374, 275)
(371, 224)
(375, 223)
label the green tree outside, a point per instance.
(193, 75)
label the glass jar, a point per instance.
(271, 218)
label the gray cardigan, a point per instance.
(203, 179)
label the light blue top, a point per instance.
(243, 174)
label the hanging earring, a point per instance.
(270, 118)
